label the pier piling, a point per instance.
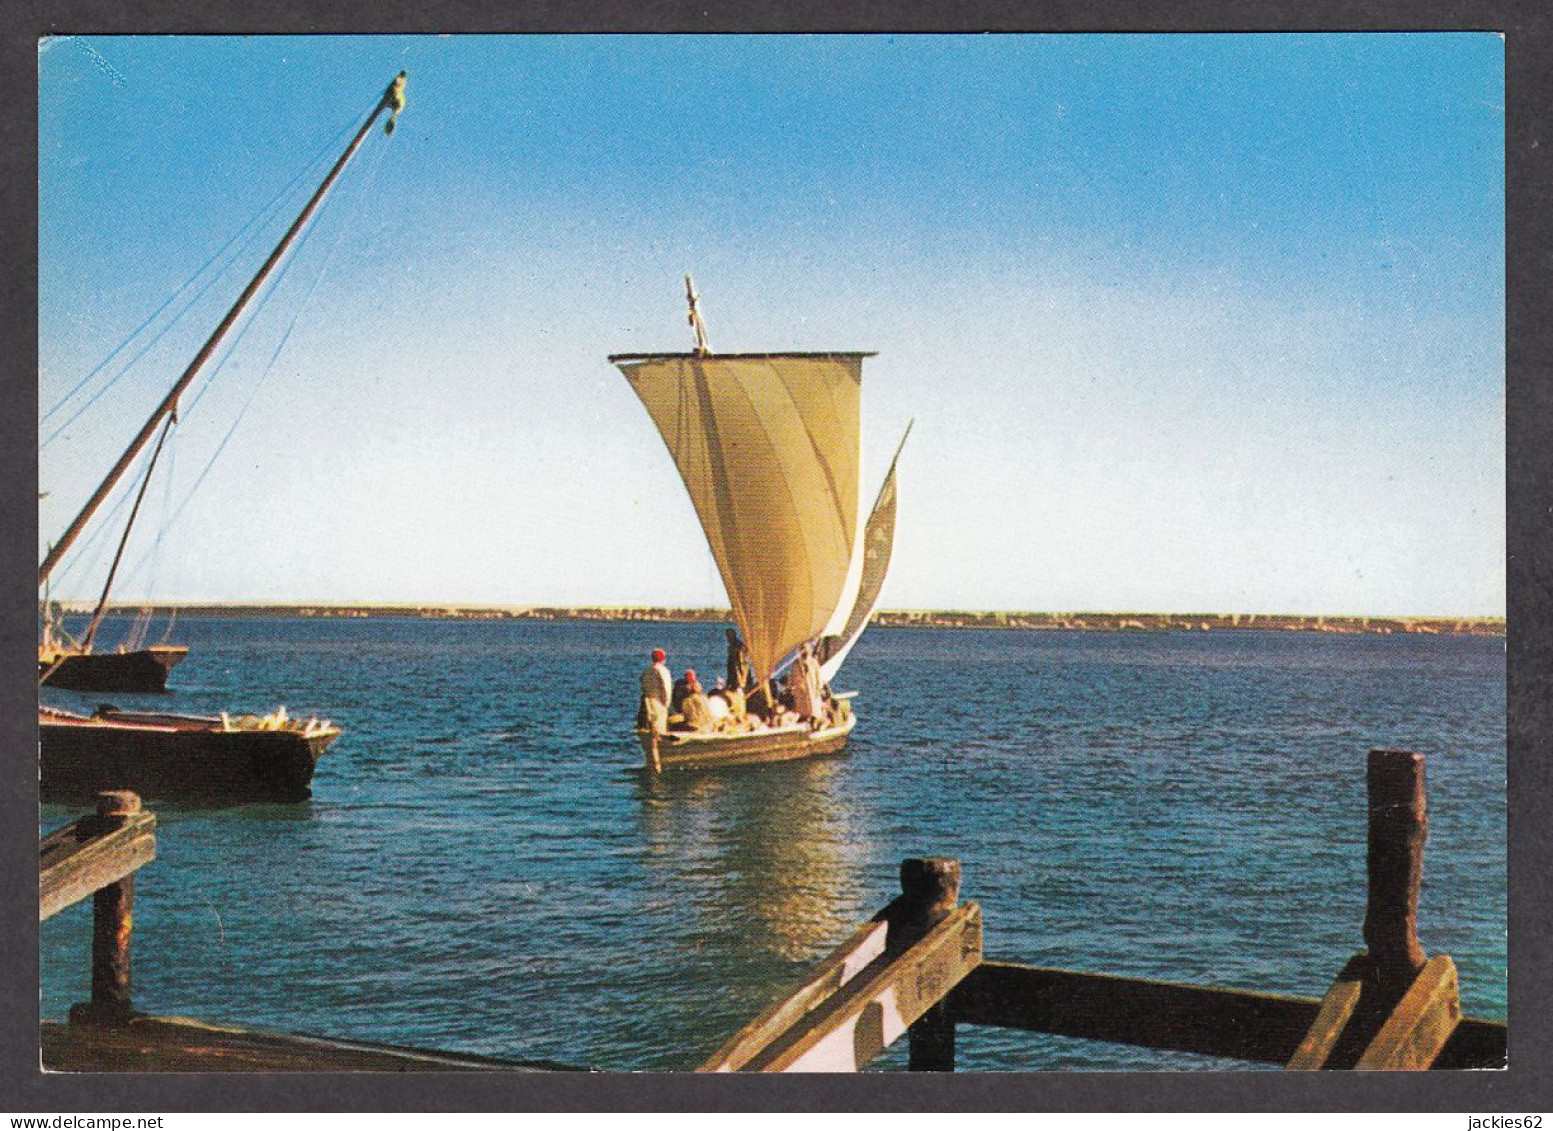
(930, 890)
(1398, 826)
(1391, 1007)
(113, 907)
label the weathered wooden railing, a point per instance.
(890, 976)
(98, 856)
(917, 969)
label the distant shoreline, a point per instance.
(894, 618)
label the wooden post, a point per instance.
(1390, 1008)
(1399, 823)
(112, 920)
(930, 890)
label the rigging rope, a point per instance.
(135, 639)
(161, 531)
(367, 181)
(145, 482)
(81, 554)
(253, 228)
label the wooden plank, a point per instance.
(838, 968)
(1237, 1024)
(79, 859)
(1418, 1029)
(875, 1008)
(1240, 1024)
(1337, 1010)
(173, 1044)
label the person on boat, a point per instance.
(682, 689)
(803, 686)
(737, 710)
(695, 709)
(738, 661)
(717, 699)
(657, 684)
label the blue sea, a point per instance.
(478, 870)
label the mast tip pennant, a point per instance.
(393, 98)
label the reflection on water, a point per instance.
(780, 837)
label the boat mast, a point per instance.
(392, 100)
(703, 347)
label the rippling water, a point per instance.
(477, 871)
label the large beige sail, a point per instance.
(767, 445)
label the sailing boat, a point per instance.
(269, 757)
(75, 665)
(767, 445)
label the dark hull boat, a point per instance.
(178, 757)
(144, 670)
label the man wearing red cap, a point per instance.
(656, 685)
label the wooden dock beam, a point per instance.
(180, 1044)
(98, 856)
(1390, 1008)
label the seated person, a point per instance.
(682, 688)
(695, 709)
(736, 704)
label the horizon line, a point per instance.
(78, 605)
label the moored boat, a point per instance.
(74, 669)
(768, 447)
(75, 664)
(179, 757)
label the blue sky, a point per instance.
(1185, 322)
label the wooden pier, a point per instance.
(915, 970)
(918, 971)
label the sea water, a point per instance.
(478, 871)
